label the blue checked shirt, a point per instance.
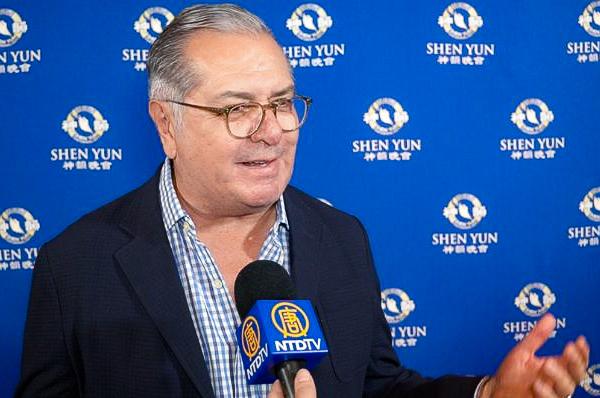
(212, 308)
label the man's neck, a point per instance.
(249, 222)
(233, 241)
(209, 216)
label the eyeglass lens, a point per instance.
(245, 119)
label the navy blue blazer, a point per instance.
(108, 317)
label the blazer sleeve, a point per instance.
(386, 377)
(46, 369)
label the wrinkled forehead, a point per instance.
(237, 62)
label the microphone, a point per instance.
(279, 334)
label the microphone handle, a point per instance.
(286, 373)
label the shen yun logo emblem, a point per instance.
(309, 22)
(590, 19)
(17, 225)
(590, 205)
(78, 125)
(460, 21)
(396, 305)
(465, 211)
(532, 116)
(535, 299)
(588, 235)
(152, 22)
(289, 319)
(386, 116)
(591, 383)
(12, 27)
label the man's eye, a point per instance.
(241, 109)
(283, 104)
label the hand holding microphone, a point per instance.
(304, 386)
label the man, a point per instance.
(135, 298)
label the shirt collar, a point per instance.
(173, 212)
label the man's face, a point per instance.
(214, 171)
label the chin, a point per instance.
(262, 197)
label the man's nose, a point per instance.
(269, 131)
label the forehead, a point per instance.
(237, 62)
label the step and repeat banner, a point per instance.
(465, 136)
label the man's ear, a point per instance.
(162, 116)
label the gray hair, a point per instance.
(170, 76)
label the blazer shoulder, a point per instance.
(102, 223)
(330, 216)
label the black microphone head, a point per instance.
(262, 280)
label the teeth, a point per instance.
(257, 162)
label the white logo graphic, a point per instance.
(17, 225)
(590, 19)
(86, 125)
(309, 22)
(591, 383)
(396, 305)
(152, 22)
(587, 51)
(12, 27)
(386, 116)
(77, 124)
(465, 211)
(590, 205)
(16, 61)
(535, 299)
(532, 116)
(588, 235)
(460, 21)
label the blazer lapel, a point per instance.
(148, 263)
(305, 237)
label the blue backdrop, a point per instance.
(464, 135)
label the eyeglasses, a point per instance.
(245, 119)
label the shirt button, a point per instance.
(217, 284)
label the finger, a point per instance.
(564, 383)
(276, 391)
(304, 385)
(584, 348)
(543, 390)
(575, 361)
(539, 334)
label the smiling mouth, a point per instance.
(257, 163)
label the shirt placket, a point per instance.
(214, 313)
(226, 321)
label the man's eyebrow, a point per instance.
(244, 95)
(236, 94)
(288, 90)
